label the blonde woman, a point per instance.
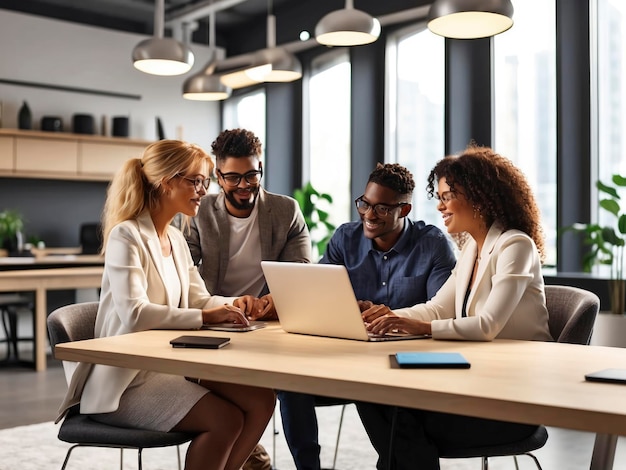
(150, 282)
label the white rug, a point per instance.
(36, 447)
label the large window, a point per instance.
(247, 112)
(525, 104)
(415, 110)
(609, 94)
(328, 136)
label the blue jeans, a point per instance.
(297, 411)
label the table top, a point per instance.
(51, 278)
(523, 381)
(8, 263)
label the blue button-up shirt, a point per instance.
(409, 273)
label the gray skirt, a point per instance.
(154, 401)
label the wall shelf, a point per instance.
(63, 155)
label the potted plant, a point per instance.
(606, 243)
(11, 226)
(316, 219)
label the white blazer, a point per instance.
(134, 298)
(506, 301)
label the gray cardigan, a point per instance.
(283, 232)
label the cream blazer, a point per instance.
(134, 298)
(506, 301)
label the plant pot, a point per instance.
(617, 291)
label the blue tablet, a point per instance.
(432, 360)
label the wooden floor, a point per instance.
(29, 397)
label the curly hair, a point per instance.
(235, 143)
(393, 176)
(492, 183)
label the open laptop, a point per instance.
(318, 299)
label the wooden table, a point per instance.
(10, 263)
(40, 281)
(526, 382)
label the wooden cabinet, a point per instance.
(6, 153)
(47, 155)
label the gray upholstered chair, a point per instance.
(572, 313)
(74, 323)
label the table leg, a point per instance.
(41, 331)
(603, 452)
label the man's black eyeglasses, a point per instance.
(233, 179)
(381, 210)
(198, 182)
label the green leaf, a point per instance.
(607, 189)
(609, 236)
(619, 180)
(611, 206)
(621, 223)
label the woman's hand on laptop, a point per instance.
(265, 309)
(373, 311)
(224, 314)
(391, 323)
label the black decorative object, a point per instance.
(159, 126)
(83, 124)
(24, 117)
(51, 123)
(120, 126)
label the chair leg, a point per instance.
(7, 336)
(343, 410)
(13, 331)
(485, 463)
(121, 458)
(67, 456)
(139, 459)
(535, 459)
(274, 434)
(178, 457)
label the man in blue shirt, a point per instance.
(391, 260)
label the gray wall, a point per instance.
(53, 210)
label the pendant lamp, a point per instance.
(347, 27)
(159, 55)
(233, 71)
(207, 86)
(274, 64)
(470, 19)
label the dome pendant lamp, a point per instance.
(347, 27)
(470, 19)
(274, 64)
(159, 55)
(207, 86)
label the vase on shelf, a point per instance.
(24, 117)
(617, 291)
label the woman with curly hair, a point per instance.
(496, 290)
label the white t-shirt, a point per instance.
(172, 281)
(244, 275)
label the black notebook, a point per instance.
(616, 376)
(205, 342)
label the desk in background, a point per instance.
(40, 281)
(11, 263)
(522, 381)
